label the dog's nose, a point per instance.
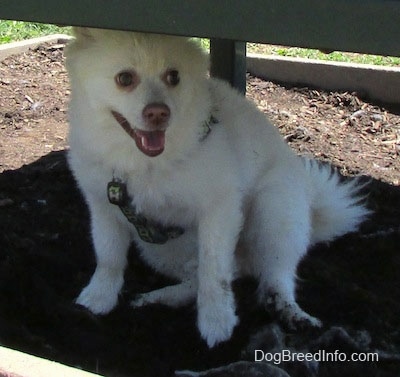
(156, 114)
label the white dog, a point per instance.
(193, 173)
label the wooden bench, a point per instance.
(366, 26)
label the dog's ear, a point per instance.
(83, 33)
(87, 35)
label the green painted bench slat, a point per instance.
(370, 26)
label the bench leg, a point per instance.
(228, 62)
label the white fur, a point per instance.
(248, 204)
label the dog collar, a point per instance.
(148, 230)
(207, 127)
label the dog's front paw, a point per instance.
(216, 323)
(96, 300)
(101, 295)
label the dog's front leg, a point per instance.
(111, 239)
(218, 234)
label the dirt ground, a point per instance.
(46, 255)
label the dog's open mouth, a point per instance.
(151, 143)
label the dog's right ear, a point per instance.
(83, 33)
(86, 35)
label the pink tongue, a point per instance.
(150, 142)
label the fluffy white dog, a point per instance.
(193, 173)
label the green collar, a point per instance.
(148, 230)
(207, 127)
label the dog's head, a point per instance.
(149, 87)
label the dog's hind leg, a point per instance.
(278, 233)
(173, 295)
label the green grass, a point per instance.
(15, 30)
(296, 52)
(316, 54)
(11, 31)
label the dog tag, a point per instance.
(117, 193)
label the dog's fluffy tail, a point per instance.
(338, 207)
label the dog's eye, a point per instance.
(126, 79)
(172, 77)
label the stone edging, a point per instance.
(18, 364)
(23, 46)
(380, 83)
